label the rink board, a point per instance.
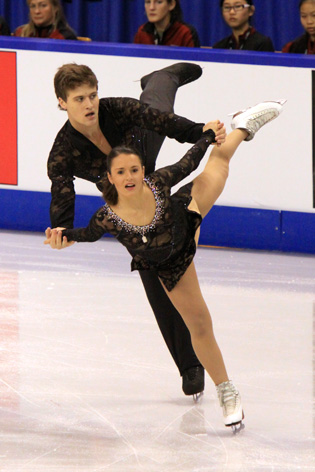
(268, 202)
(226, 226)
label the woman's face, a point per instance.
(42, 12)
(126, 174)
(307, 16)
(237, 13)
(159, 11)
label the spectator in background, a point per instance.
(47, 20)
(166, 26)
(304, 44)
(237, 14)
(4, 27)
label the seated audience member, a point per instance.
(47, 20)
(304, 44)
(4, 27)
(166, 26)
(237, 14)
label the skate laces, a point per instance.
(229, 397)
(255, 122)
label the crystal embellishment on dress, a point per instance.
(140, 230)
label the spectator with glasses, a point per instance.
(238, 14)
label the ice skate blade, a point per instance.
(237, 428)
(197, 397)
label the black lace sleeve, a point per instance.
(130, 112)
(62, 203)
(98, 226)
(174, 173)
(60, 173)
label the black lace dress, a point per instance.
(167, 244)
(123, 121)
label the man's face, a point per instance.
(82, 106)
(236, 13)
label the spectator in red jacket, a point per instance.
(304, 44)
(166, 26)
(47, 20)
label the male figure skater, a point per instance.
(93, 128)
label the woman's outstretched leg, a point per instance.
(210, 183)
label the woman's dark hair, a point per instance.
(176, 13)
(250, 2)
(110, 194)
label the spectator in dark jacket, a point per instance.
(237, 14)
(4, 27)
(304, 44)
(47, 20)
(166, 26)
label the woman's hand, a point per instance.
(219, 129)
(55, 240)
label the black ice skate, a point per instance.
(182, 72)
(194, 382)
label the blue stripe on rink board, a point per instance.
(298, 231)
(242, 227)
(249, 228)
(169, 52)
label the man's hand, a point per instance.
(219, 129)
(55, 240)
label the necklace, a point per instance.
(130, 228)
(144, 238)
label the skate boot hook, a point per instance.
(230, 401)
(253, 118)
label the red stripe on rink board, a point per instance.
(8, 119)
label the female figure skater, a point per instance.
(161, 231)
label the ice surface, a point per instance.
(87, 384)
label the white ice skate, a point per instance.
(253, 118)
(230, 401)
